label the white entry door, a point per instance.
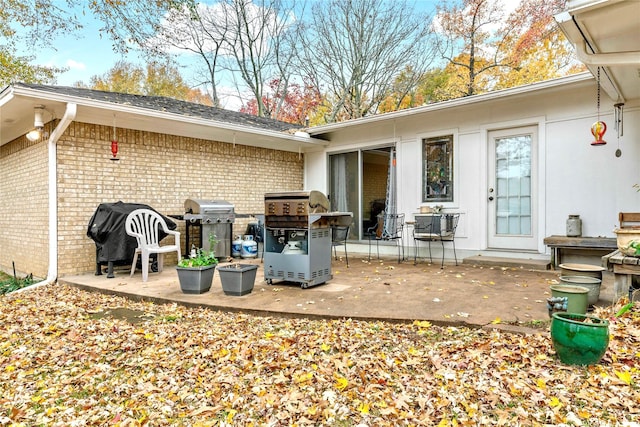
(512, 189)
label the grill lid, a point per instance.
(308, 201)
(208, 207)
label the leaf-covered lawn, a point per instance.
(61, 365)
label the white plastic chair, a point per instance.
(145, 226)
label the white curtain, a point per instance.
(339, 180)
(391, 206)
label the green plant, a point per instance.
(13, 283)
(635, 244)
(201, 258)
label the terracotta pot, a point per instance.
(579, 339)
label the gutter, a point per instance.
(453, 103)
(606, 59)
(67, 118)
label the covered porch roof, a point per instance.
(606, 34)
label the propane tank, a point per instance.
(236, 247)
(249, 247)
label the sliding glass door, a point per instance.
(358, 184)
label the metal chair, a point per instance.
(339, 235)
(146, 226)
(388, 228)
(442, 228)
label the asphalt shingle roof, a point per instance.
(169, 105)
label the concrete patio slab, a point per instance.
(468, 294)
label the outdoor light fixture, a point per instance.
(38, 124)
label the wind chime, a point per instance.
(114, 142)
(618, 117)
(598, 128)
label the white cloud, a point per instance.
(75, 65)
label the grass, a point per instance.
(13, 283)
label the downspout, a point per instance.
(67, 118)
(606, 59)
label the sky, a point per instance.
(90, 51)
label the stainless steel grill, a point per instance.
(210, 217)
(297, 244)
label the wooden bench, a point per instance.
(629, 219)
(559, 243)
(626, 273)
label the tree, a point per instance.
(246, 42)
(35, 24)
(540, 51)
(430, 88)
(295, 106)
(469, 43)
(159, 79)
(354, 50)
(487, 50)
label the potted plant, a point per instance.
(238, 279)
(628, 240)
(196, 272)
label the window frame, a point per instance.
(443, 177)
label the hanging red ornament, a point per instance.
(114, 142)
(114, 149)
(597, 130)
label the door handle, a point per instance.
(490, 198)
(490, 191)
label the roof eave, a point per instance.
(454, 103)
(301, 139)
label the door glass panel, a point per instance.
(344, 186)
(513, 189)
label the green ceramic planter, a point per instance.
(577, 297)
(579, 339)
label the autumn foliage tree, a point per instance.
(486, 49)
(157, 79)
(295, 106)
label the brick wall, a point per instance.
(376, 176)
(159, 170)
(24, 207)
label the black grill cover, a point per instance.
(106, 229)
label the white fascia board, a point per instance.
(575, 7)
(453, 103)
(123, 108)
(5, 96)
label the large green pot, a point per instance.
(579, 339)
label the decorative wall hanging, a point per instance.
(114, 142)
(618, 118)
(598, 128)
